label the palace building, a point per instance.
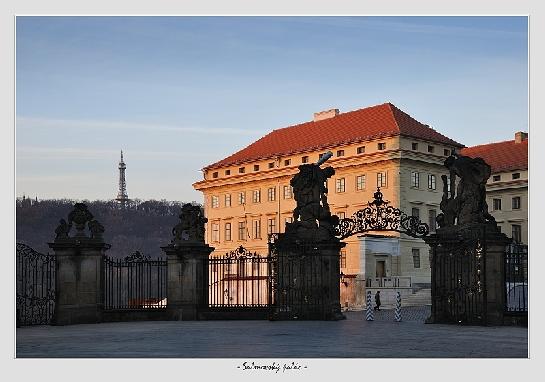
(507, 187)
(248, 194)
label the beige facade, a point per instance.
(245, 202)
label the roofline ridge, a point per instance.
(494, 143)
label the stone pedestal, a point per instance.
(307, 280)
(79, 293)
(187, 280)
(467, 274)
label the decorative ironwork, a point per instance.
(241, 253)
(35, 276)
(380, 216)
(239, 280)
(516, 279)
(135, 282)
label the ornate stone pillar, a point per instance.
(79, 285)
(187, 256)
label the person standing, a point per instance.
(377, 301)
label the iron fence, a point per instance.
(516, 278)
(239, 279)
(35, 286)
(135, 282)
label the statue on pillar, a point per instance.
(312, 216)
(465, 203)
(192, 225)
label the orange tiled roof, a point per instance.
(501, 156)
(354, 126)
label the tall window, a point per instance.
(343, 258)
(227, 172)
(241, 197)
(215, 232)
(256, 196)
(271, 194)
(215, 201)
(415, 146)
(257, 229)
(360, 182)
(496, 204)
(381, 146)
(446, 152)
(431, 149)
(431, 182)
(227, 231)
(242, 230)
(381, 179)
(287, 192)
(416, 257)
(515, 203)
(415, 212)
(432, 214)
(271, 226)
(516, 231)
(415, 179)
(227, 200)
(340, 185)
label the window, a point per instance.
(227, 231)
(516, 230)
(227, 200)
(241, 198)
(415, 146)
(515, 175)
(341, 214)
(304, 159)
(288, 219)
(360, 182)
(271, 164)
(271, 194)
(241, 170)
(227, 172)
(431, 149)
(415, 179)
(257, 229)
(432, 185)
(446, 152)
(321, 155)
(343, 258)
(381, 146)
(340, 153)
(287, 192)
(340, 185)
(215, 174)
(361, 150)
(415, 212)
(242, 230)
(271, 226)
(256, 196)
(215, 201)
(515, 203)
(215, 232)
(381, 179)
(432, 215)
(496, 178)
(287, 162)
(256, 167)
(416, 257)
(496, 204)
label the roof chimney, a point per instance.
(520, 136)
(325, 114)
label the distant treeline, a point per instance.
(142, 226)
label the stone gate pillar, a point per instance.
(187, 256)
(79, 285)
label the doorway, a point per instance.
(381, 268)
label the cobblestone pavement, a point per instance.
(409, 313)
(350, 338)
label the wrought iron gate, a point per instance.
(516, 279)
(35, 279)
(459, 280)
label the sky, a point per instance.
(179, 93)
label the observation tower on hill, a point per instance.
(122, 196)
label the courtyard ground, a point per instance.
(351, 338)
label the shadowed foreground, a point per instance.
(350, 338)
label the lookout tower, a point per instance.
(122, 196)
